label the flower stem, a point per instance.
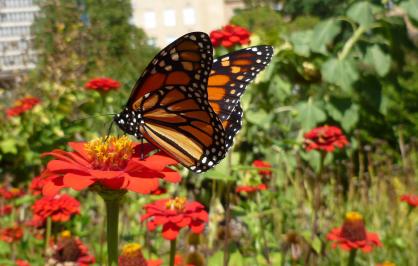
(352, 257)
(112, 214)
(172, 251)
(48, 233)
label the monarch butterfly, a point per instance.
(187, 104)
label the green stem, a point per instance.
(112, 214)
(48, 233)
(350, 43)
(172, 251)
(352, 257)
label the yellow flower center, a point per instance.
(14, 190)
(353, 216)
(387, 263)
(66, 234)
(177, 204)
(131, 249)
(109, 153)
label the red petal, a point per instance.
(77, 182)
(197, 227)
(99, 174)
(142, 185)
(79, 148)
(170, 231)
(59, 166)
(171, 176)
(52, 187)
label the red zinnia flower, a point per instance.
(59, 207)
(70, 249)
(11, 234)
(102, 84)
(37, 185)
(250, 189)
(412, 200)
(22, 262)
(113, 163)
(264, 167)
(11, 192)
(353, 235)
(22, 105)
(5, 210)
(174, 214)
(325, 138)
(229, 36)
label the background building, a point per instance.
(16, 17)
(165, 20)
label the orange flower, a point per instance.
(353, 235)
(112, 163)
(174, 214)
(386, 263)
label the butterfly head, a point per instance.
(129, 121)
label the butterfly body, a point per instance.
(187, 105)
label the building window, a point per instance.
(189, 16)
(170, 17)
(150, 20)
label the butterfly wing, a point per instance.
(228, 79)
(169, 104)
(186, 61)
(180, 121)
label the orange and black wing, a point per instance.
(171, 103)
(228, 79)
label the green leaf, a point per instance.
(350, 118)
(343, 111)
(378, 59)
(411, 8)
(340, 72)
(301, 42)
(8, 146)
(324, 33)
(280, 88)
(236, 259)
(259, 117)
(216, 259)
(310, 114)
(362, 13)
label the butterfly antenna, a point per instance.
(110, 129)
(142, 148)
